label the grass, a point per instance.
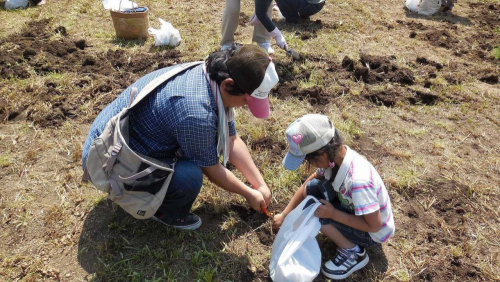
(496, 52)
(434, 158)
(4, 161)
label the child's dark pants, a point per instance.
(318, 188)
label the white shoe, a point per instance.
(267, 47)
(225, 46)
(345, 263)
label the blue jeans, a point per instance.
(184, 187)
(293, 10)
(317, 188)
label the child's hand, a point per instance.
(326, 210)
(277, 221)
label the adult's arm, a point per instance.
(240, 157)
(261, 7)
(225, 179)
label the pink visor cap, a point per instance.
(258, 101)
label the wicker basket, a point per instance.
(131, 25)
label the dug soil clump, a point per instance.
(256, 221)
(440, 38)
(36, 52)
(389, 97)
(267, 143)
(377, 69)
(314, 95)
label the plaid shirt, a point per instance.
(181, 114)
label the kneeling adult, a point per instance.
(189, 119)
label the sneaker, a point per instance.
(444, 9)
(345, 263)
(189, 222)
(225, 46)
(267, 47)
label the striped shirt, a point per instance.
(181, 113)
(360, 190)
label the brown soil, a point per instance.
(49, 215)
(268, 144)
(315, 95)
(256, 221)
(376, 70)
(244, 19)
(111, 72)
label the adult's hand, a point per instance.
(266, 193)
(280, 39)
(256, 200)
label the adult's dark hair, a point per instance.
(217, 67)
(330, 148)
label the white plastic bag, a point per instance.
(14, 4)
(296, 255)
(166, 35)
(429, 7)
(412, 5)
(423, 7)
(119, 5)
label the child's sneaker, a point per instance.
(345, 263)
(189, 222)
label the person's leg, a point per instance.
(350, 255)
(230, 20)
(309, 9)
(289, 9)
(321, 189)
(355, 236)
(260, 33)
(184, 187)
(336, 236)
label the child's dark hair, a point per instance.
(330, 148)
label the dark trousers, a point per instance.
(184, 187)
(317, 188)
(293, 10)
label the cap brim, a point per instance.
(258, 107)
(292, 162)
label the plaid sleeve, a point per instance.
(364, 197)
(198, 140)
(232, 128)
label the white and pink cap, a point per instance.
(258, 101)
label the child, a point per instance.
(356, 211)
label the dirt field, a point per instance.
(418, 96)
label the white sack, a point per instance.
(296, 255)
(412, 5)
(166, 35)
(115, 5)
(429, 7)
(423, 7)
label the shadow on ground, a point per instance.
(114, 246)
(441, 17)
